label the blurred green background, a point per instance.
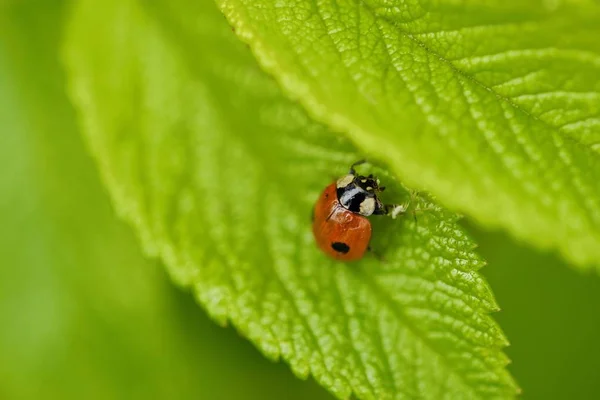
(84, 315)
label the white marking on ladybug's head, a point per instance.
(344, 181)
(367, 207)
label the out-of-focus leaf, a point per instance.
(82, 314)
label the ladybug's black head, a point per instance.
(369, 183)
(358, 194)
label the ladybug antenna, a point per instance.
(359, 162)
(381, 188)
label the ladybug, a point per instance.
(340, 224)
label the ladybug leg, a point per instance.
(352, 170)
(393, 210)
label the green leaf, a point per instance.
(492, 106)
(83, 314)
(218, 172)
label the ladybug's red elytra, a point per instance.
(340, 224)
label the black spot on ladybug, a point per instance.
(340, 247)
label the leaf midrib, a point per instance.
(464, 74)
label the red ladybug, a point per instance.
(340, 226)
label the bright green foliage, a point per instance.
(83, 314)
(491, 105)
(218, 173)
